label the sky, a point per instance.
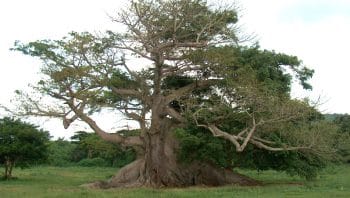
(317, 31)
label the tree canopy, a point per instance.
(21, 144)
(178, 66)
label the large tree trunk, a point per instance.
(158, 167)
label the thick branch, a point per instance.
(269, 148)
(68, 121)
(258, 142)
(126, 92)
(132, 93)
(174, 114)
(219, 133)
(114, 138)
(255, 141)
(188, 89)
(134, 116)
(249, 136)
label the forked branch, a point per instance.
(241, 142)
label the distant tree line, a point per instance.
(342, 121)
(23, 144)
(88, 149)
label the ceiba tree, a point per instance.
(190, 70)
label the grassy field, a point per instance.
(65, 182)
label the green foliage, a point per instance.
(68, 64)
(91, 149)
(343, 121)
(344, 148)
(122, 80)
(197, 144)
(343, 143)
(21, 144)
(88, 149)
(306, 165)
(270, 68)
(244, 64)
(176, 82)
(195, 12)
(60, 152)
(261, 79)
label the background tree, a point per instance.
(21, 144)
(343, 143)
(343, 121)
(90, 147)
(60, 152)
(193, 73)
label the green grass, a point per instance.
(65, 182)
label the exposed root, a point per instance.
(195, 174)
(127, 177)
(210, 175)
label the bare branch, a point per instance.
(258, 142)
(255, 141)
(286, 148)
(114, 138)
(134, 50)
(249, 136)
